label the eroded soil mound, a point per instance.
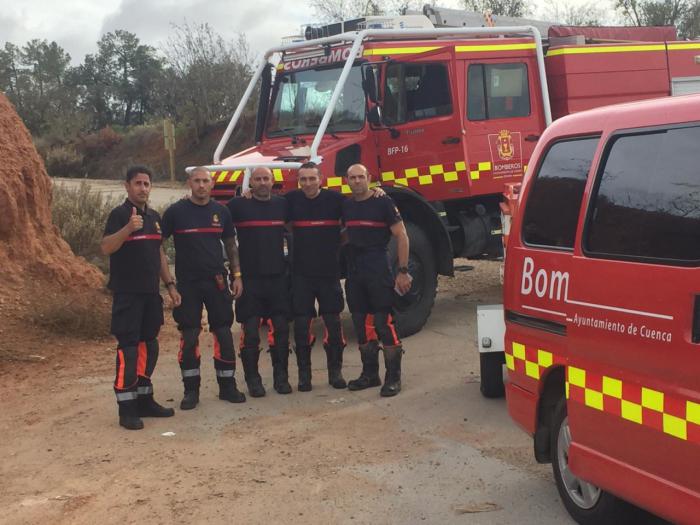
(35, 262)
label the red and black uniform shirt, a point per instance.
(369, 222)
(198, 231)
(260, 229)
(135, 267)
(316, 228)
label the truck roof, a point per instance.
(638, 114)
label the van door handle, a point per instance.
(532, 138)
(451, 140)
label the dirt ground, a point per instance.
(437, 453)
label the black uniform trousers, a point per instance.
(136, 321)
(217, 299)
(306, 291)
(369, 289)
(264, 297)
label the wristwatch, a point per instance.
(169, 284)
(402, 269)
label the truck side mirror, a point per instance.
(374, 116)
(370, 83)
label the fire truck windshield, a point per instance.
(300, 99)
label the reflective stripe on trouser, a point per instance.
(146, 362)
(125, 382)
(189, 358)
(224, 353)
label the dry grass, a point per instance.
(86, 315)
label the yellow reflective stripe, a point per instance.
(612, 387)
(497, 47)
(604, 49)
(222, 176)
(684, 45)
(675, 426)
(398, 50)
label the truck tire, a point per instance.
(586, 503)
(491, 365)
(413, 309)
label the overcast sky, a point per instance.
(77, 24)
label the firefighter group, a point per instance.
(270, 290)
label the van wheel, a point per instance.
(413, 309)
(491, 364)
(587, 504)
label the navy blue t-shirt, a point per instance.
(198, 231)
(369, 222)
(135, 266)
(260, 229)
(316, 229)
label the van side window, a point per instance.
(416, 92)
(554, 202)
(646, 204)
(497, 91)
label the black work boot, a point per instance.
(228, 391)
(249, 358)
(189, 400)
(280, 374)
(149, 407)
(304, 366)
(370, 368)
(392, 378)
(334, 359)
(128, 415)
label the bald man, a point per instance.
(260, 226)
(370, 224)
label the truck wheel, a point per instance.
(587, 504)
(492, 373)
(413, 309)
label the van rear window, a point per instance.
(554, 202)
(646, 205)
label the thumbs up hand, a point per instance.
(135, 221)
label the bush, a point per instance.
(96, 145)
(63, 161)
(80, 215)
(86, 315)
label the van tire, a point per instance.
(586, 503)
(412, 311)
(491, 365)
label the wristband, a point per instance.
(169, 284)
(236, 274)
(402, 269)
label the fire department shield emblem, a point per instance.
(215, 218)
(505, 145)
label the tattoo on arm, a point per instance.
(232, 254)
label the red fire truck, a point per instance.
(602, 309)
(442, 117)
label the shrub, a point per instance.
(63, 161)
(86, 315)
(80, 215)
(96, 145)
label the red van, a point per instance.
(602, 309)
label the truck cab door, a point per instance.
(503, 119)
(420, 144)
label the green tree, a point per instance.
(514, 8)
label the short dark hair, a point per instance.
(310, 166)
(135, 170)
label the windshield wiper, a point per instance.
(287, 133)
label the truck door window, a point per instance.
(646, 203)
(554, 201)
(416, 92)
(497, 91)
